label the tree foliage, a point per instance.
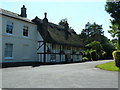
(93, 37)
(92, 29)
(94, 51)
(95, 45)
(91, 32)
(64, 23)
(113, 8)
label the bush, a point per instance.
(85, 59)
(101, 54)
(94, 55)
(87, 55)
(116, 57)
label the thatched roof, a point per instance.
(53, 33)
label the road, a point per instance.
(76, 75)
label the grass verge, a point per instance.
(109, 66)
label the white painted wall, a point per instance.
(24, 48)
(0, 38)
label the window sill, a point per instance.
(9, 34)
(25, 37)
(10, 58)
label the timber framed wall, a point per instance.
(55, 53)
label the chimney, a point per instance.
(66, 30)
(45, 18)
(23, 12)
(45, 15)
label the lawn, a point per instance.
(110, 66)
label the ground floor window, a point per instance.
(53, 57)
(8, 50)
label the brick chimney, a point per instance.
(23, 12)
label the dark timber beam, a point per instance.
(44, 52)
(60, 53)
(40, 46)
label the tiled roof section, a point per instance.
(14, 15)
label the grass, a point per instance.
(109, 66)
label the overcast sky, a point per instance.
(78, 13)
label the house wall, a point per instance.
(24, 48)
(0, 38)
(54, 53)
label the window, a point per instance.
(9, 27)
(25, 31)
(8, 50)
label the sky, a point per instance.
(78, 13)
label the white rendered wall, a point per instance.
(24, 48)
(0, 38)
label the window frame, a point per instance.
(8, 51)
(9, 27)
(25, 31)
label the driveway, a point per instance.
(76, 75)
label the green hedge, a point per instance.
(116, 57)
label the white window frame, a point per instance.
(9, 27)
(8, 51)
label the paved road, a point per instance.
(77, 75)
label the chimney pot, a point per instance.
(45, 19)
(45, 15)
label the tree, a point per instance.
(91, 32)
(95, 45)
(94, 32)
(92, 29)
(113, 42)
(64, 23)
(95, 51)
(113, 8)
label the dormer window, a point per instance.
(25, 31)
(9, 27)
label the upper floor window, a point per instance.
(9, 27)
(8, 50)
(25, 31)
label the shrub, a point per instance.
(94, 55)
(85, 59)
(101, 54)
(87, 54)
(116, 57)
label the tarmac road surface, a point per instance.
(75, 75)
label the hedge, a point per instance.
(116, 57)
